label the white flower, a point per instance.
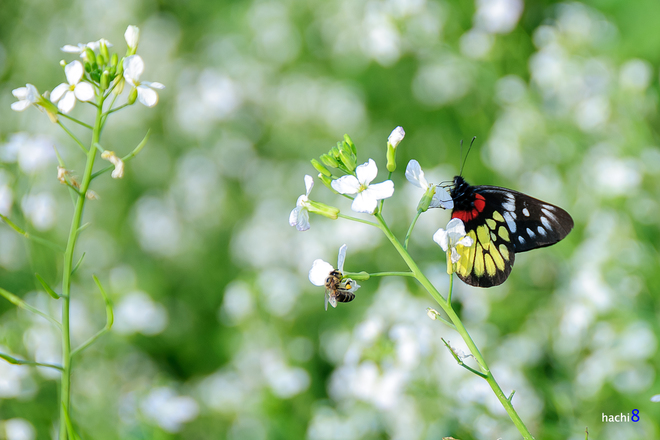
(27, 96)
(415, 175)
(321, 270)
(65, 95)
(132, 37)
(81, 48)
(133, 68)
(655, 398)
(299, 217)
(367, 195)
(452, 237)
(396, 136)
(110, 156)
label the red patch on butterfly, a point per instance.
(479, 205)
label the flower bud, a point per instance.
(114, 60)
(327, 181)
(132, 37)
(348, 159)
(426, 200)
(89, 56)
(350, 143)
(62, 63)
(320, 168)
(323, 209)
(132, 96)
(391, 158)
(105, 80)
(99, 60)
(396, 136)
(329, 161)
(432, 313)
(104, 52)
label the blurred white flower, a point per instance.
(133, 69)
(132, 37)
(65, 95)
(138, 313)
(415, 175)
(40, 209)
(498, 16)
(110, 156)
(80, 47)
(396, 136)
(453, 237)
(655, 398)
(169, 410)
(18, 429)
(367, 195)
(299, 217)
(27, 96)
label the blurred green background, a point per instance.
(218, 332)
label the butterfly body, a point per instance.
(502, 222)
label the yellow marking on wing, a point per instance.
(493, 237)
(465, 263)
(504, 251)
(490, 265)
(499, 261)
(484, 236)
(491, 224)
(498, 217)
(504, 233)
(479, 261)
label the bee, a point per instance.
(337, 289)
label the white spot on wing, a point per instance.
(531, 233)
(525, 212)
(541, 230)
(521, 239)
(509, 206)
(546, 223)
(549, 214)
(510, 222)
(550, 207)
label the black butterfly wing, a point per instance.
(502, 222)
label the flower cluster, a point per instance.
(356, 184)
(96, 75)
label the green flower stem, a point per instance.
(73, 136)
(12, 360)
(460, 328)
(74, 120)
(451, 289)
(18, 302)
(65, 387)
(392, 274)
(359, 220)
(108, 324)
(410, 229)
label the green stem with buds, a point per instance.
(65, 388)
(460, 328)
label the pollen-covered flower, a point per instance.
(450, 239)
(323, 274)
(299, 217)
(27, 96)
(133, 69)
(366, 195)
(415, 175)
(65, 95)
(110, 156)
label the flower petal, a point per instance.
(20, 93)
(319, 272)
(84, 91)
(456, 226)
(396, 136)
(132, 36)
(379, 191)
(21, 105)
(466, 241)
(302, 223)
(455, 256)
(309, 184)
(341, 258)
(364, 203)
(133, 68)
(69, 48)
(415, 175)
(293, 217)
(441, 199)
(153, 85)
(67, 103)
(346, 185)
(74, 72)
(147, 96)
(366, 172)
(58, 92)
(441, 237)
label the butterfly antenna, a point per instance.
(466, 154)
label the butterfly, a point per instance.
(501, 222)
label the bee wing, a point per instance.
(330, 298)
